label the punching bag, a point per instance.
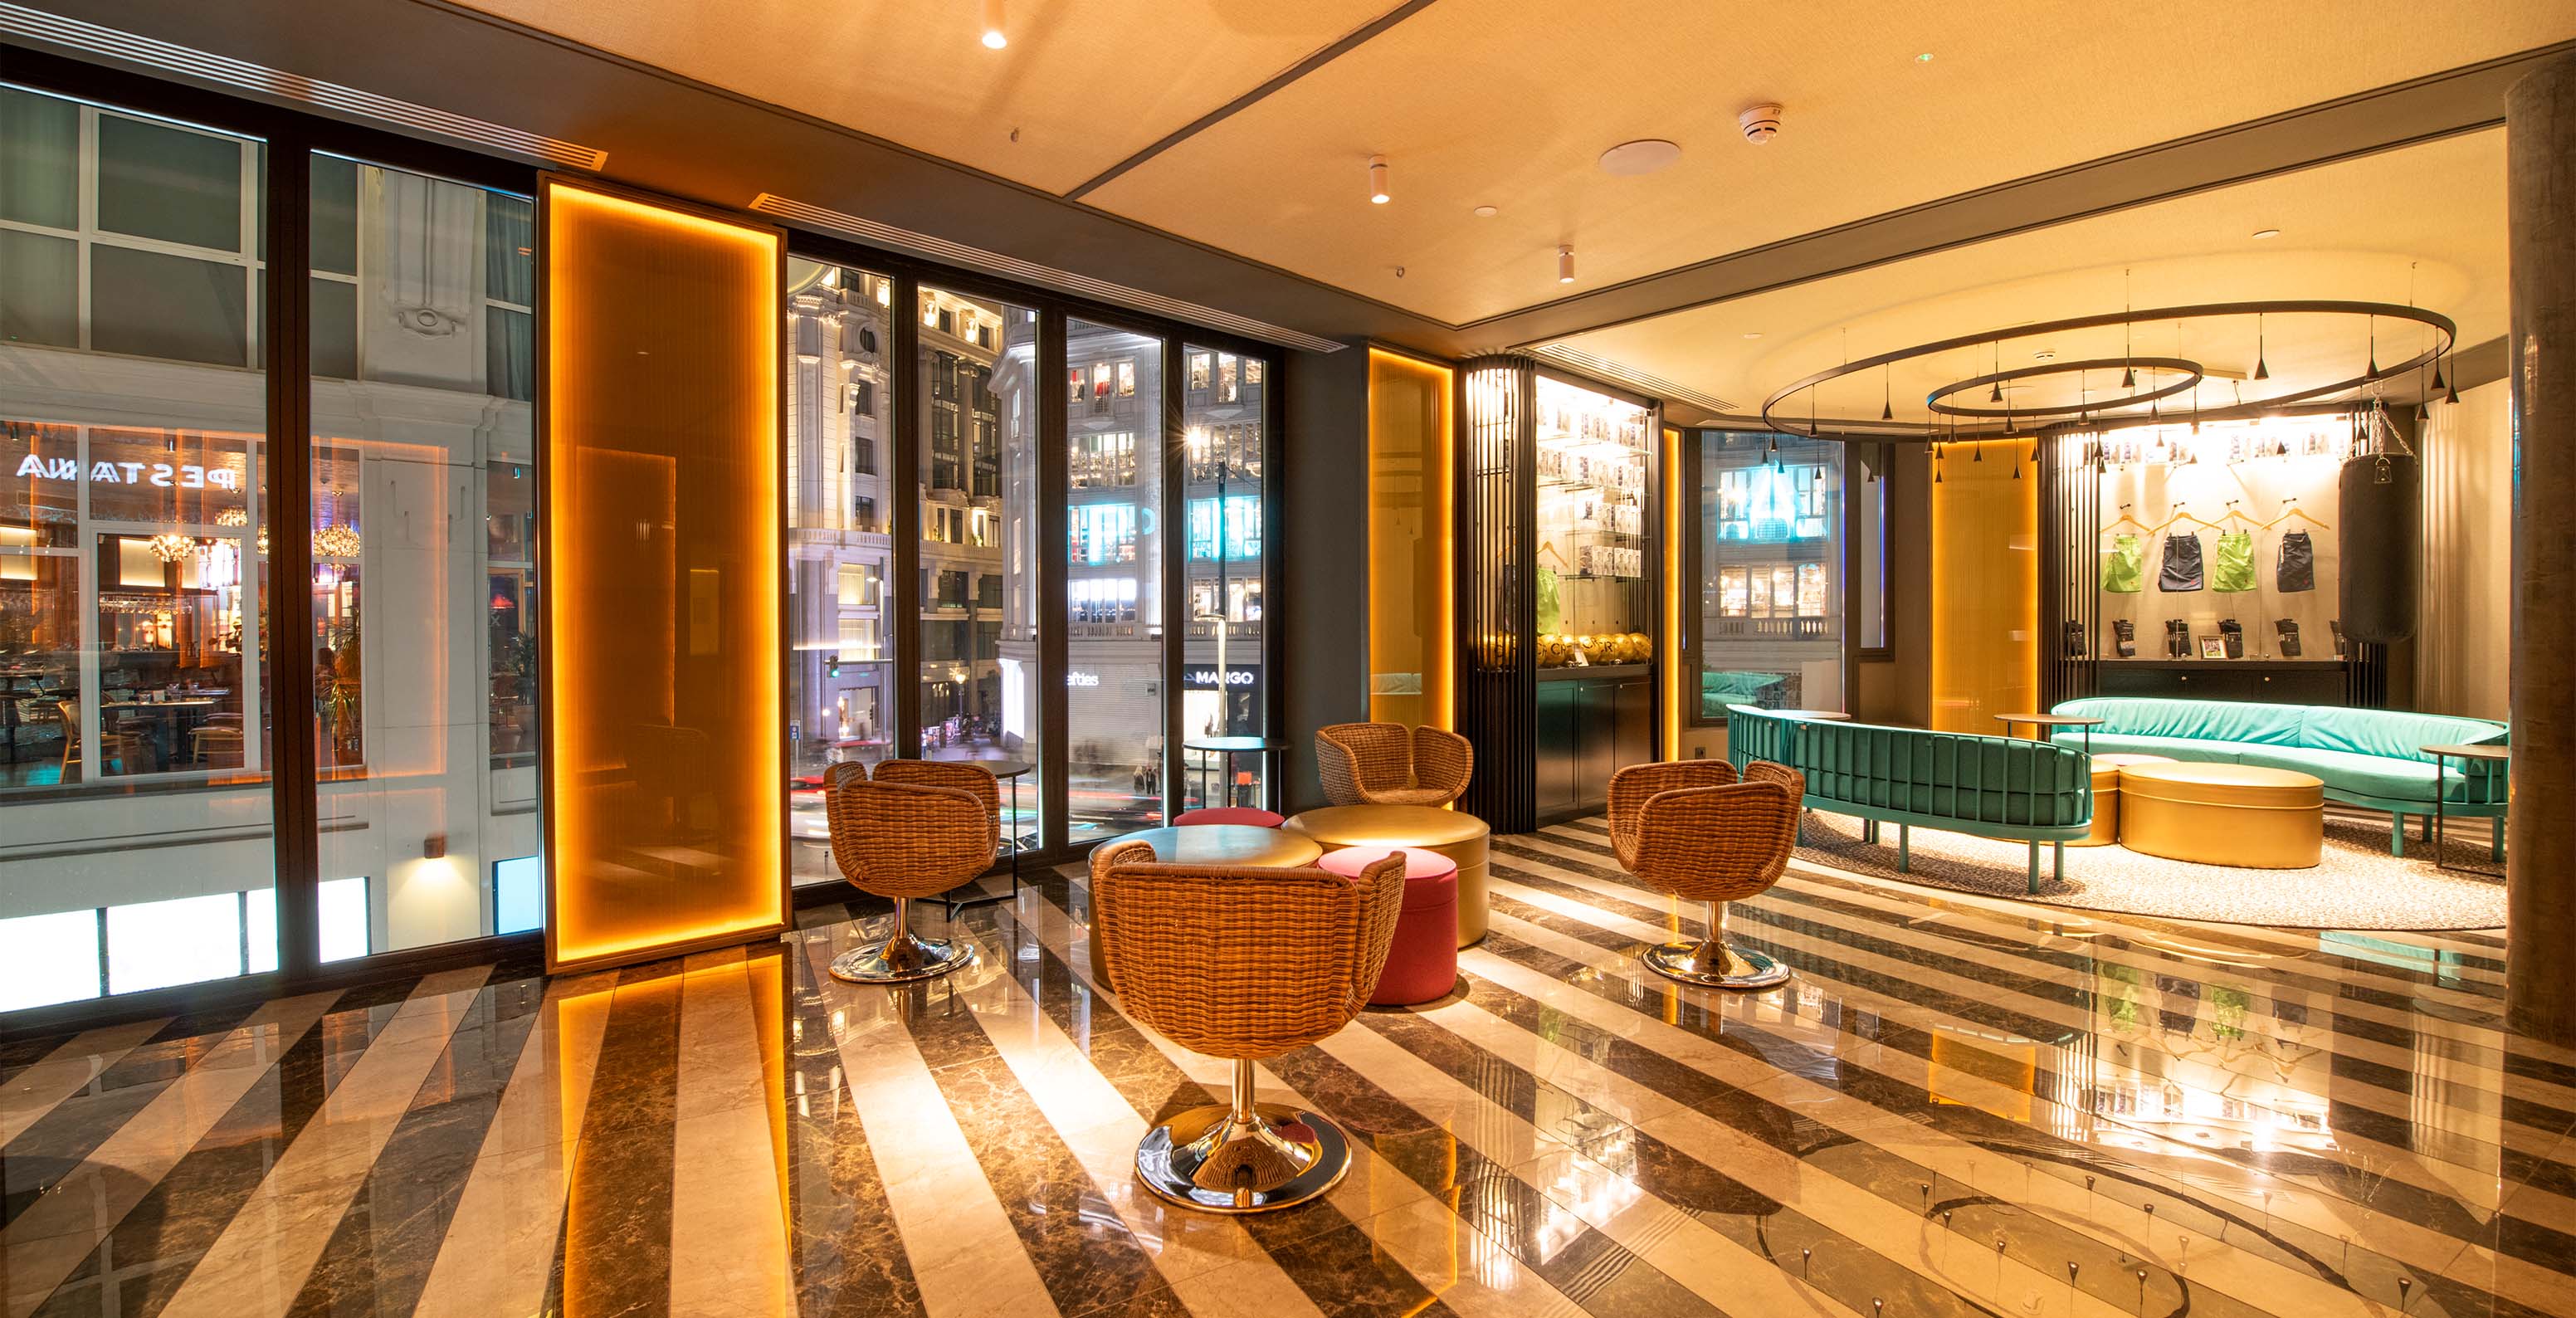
(2380, 499)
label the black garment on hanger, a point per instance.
(2298, 569)
(2182, 563)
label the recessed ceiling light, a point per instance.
(1924, 58)
(993, 35)
(2042, 355)
(1643, 156)
(1753, 334)
(1486, 212)
(2267, 233)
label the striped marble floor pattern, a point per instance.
(1959, 1106)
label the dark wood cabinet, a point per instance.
(2266, 681)
(1591, 723)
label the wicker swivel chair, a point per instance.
(1692, 829)
(905, 840)
(1391, 764)
(1242, 964)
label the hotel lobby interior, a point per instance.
(1363, 657)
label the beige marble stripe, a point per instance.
(499, 1248)
(1472, 1274)
(965, 1257)
(728, 1201)
(57, 1232)
(2206, 1261)
(264, 1254)
(66, 1071)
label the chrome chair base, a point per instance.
(1213, 1158)
(1715, 965)
(902, 957)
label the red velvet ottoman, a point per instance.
(1422, 965)
(1229, 814)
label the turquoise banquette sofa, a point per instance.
(1998, 787)
(2365, 757)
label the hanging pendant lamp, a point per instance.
(2262, 369)
(1887, 398)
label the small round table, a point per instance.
(2488, 753)
(1229, 747)
(2039, 723)
(1213, 844)
(1009, 771)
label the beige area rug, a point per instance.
(2358, 885)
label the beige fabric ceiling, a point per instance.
(2425, 223)
(1509, 103)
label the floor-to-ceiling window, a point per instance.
(840, 547)
(423, 644)
(1771, 530)
(1223, 397)
(134, 800)
(1113, 446)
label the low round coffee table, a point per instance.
(1453, 833)
(2223, 814)
(2106, 796)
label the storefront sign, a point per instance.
(1077, 677)
(181, 476)
(1202, 677)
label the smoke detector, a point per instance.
(1760, 123)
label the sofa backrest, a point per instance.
(2002, 781)
(2391, 733)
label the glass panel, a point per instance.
(1771, 561)
(1221, 672)
(149, 304)
(841, 674)
(40, 171)
(335, 329)
(177, 185)
(978, 666)
(132, 793)
(39, 289)
(1869, 550)
(335, 215)
(1593, 603)
(1114, 587)
(425, 734)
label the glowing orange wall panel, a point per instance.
(1411, 639)
(1985, 586)
(661, 432)
(1681, 508)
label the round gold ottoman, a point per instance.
(1452, 833)
(2223, 814)
(2106, 796)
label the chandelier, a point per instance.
(232, 517)
(170, 546)
(336, 541)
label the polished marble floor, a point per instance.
(1960, 1106)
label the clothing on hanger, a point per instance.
(2182, 563)
(2122, 565)
(2235, 569)
(2298, 570)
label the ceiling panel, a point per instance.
(1082, 85)
(2424, 225)
(1509, 103)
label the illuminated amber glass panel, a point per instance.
(1985, 586)
(1410, 634)
(665, 731)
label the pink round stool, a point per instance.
(1230, 814)
(1422, 965)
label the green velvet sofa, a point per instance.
(1998, 787)
(2365, 757)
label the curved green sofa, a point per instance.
(2365, 757)
(1998, 787)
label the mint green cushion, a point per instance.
(2393, 733)
(2178, 748)
(2360, 775)
(2204, 720)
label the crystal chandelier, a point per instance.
(336, 541)
(170, 546)
(232, 517)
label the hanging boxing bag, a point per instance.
(2380, 498)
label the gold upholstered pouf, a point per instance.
(1455, 834)
(2223, 814)
(2106, 796)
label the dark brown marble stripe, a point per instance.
(847, 1252)
(379, 1256)
(616, 1255)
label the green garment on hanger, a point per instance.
(2235, 571)
(1550, 613)
(2120, 565)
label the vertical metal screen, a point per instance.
(2070, 535)
(1498, 697)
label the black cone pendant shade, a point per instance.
(2262, 370)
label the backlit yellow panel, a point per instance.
(1985, 586)
(1412, 642)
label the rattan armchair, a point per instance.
(905, 840)
(1693, 829)
(1391, 764)
(1242, 964)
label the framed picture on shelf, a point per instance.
(2213, 647)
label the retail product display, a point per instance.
(2232, 634)
(1591, 476)
(2125, 636)
(2298, 569)
(2235, 570)
(2177, 638)
(2121, 565)
(2289, 631)
(2181, 571)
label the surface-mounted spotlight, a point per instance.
(1564, 263)
(994, 39)
(1378, 194)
